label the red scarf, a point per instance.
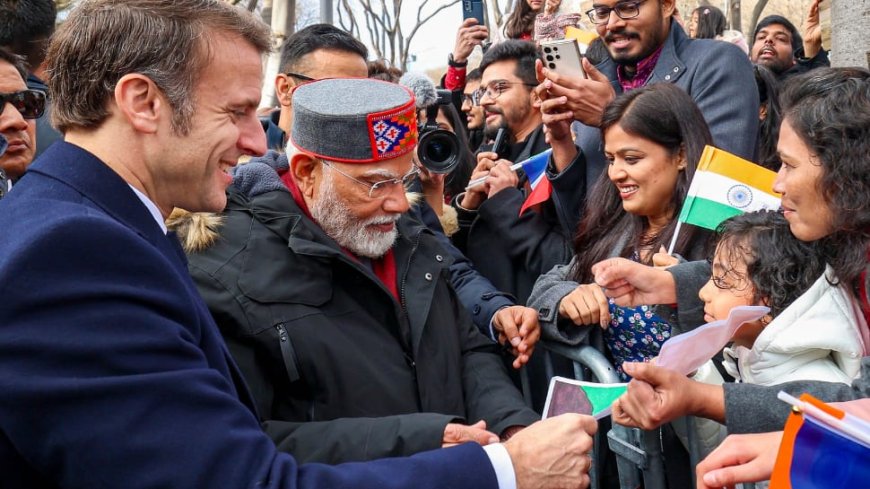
(383, 267)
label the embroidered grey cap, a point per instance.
(354, 120)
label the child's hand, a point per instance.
(663, 260)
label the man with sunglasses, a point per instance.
(18, 113)
(315, 52)
(337, 303)
(25, 29)
(645, 45)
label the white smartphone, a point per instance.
(563, 56)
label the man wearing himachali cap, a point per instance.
(337, 305)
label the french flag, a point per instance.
(823, 447)
(536, 170)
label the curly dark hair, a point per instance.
(829, 110)
(779, 266)
(667, 116)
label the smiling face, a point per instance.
(729, 286)
(513, 107)
(192, 168)
(804, 206)
(342, 207)
(645, 174)
(473, 113)
(772, 48)
(19, 132)
(630, 40)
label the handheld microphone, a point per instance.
(424, 90)
(498, 143)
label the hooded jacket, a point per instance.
(341, 370)
(820, 336)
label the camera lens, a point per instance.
(438, 150)
(549, 58)
(546, 50)
(552, 66)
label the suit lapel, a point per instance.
(100, 184)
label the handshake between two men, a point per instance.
(553, 453)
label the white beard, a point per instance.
(337, 221)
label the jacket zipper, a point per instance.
(287, 353)
(409, 358)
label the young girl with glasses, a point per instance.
(813, 330)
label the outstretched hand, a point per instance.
(519, 327)
(630, 283)
(455, 434)
(740, 458)
(657, 395)
(553, 452)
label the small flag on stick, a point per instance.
(536, 170)
(822, 447)
(576, 396)
(724, 186)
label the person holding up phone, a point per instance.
(472, 32)
(646, 45)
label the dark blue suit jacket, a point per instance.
(113, 373)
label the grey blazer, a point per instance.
(718, 76)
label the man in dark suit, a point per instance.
(112, 371)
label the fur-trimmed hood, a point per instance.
(196, 230)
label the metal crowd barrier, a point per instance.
(638, 453)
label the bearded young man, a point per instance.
(778, 45)
(337, 305)
(645, 45)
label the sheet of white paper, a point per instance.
(686, 353)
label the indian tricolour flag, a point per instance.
(724, 186)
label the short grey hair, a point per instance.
(165, 40)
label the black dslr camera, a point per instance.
(437, 149)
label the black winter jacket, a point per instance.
(340, 370)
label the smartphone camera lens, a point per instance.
(558, 57)
(552, 66)
(549, 58)
(547, 50)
